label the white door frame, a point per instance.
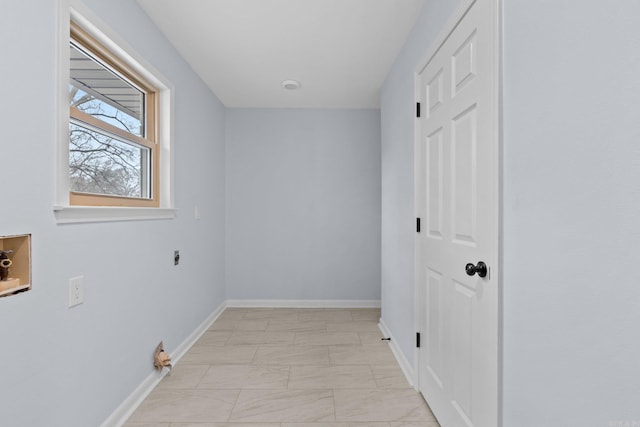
(496, 270)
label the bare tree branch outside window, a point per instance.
(99, 163)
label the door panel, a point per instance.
(434, 93)
(435, 326)
(462, 350)
(464, 63)
(464, 174)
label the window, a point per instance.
(114, 153)
(114, 126)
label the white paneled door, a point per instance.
(457, 191)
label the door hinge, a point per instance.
(418, 339)
(417, 225)
(417, 109)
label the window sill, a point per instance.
(83, 214)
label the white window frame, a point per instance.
(76, 11)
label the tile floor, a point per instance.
(287, 368)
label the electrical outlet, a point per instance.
(76, 290)
(176, 257)
(196, 213)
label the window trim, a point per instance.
(141, 71)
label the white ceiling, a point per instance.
(339, 50)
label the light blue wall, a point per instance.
(73, 367)
(571, 220)
(570, 229)
(303, 206)
(397, 105)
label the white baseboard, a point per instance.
(407, 370)
(276, 303)
(122, 413)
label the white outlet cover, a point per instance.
(76, 291)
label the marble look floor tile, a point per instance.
(389, 377)
(380, 405)
(365, 314)
(236, 309)
(355, 326)
(369, 424)
(297, 325)
(228, 354)
(245, 377)
(221, 385)
(284, 406)
(432, 423)
(327, 338)
(183, 376)
(224, 325)
(333, 377)
(214, 338)
(328, 314)
(372, 338)
(147, 425)
(239, 325)
(225, 425)
(273, 314)
(197, 424)
(292, 355)
(335, 424)
(361, 354)
(186, 406)
(231, 314)
(264, 338)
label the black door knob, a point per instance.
(481, 269)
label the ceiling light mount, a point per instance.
(290, 84)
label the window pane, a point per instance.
(102, 164)
(96, 90)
